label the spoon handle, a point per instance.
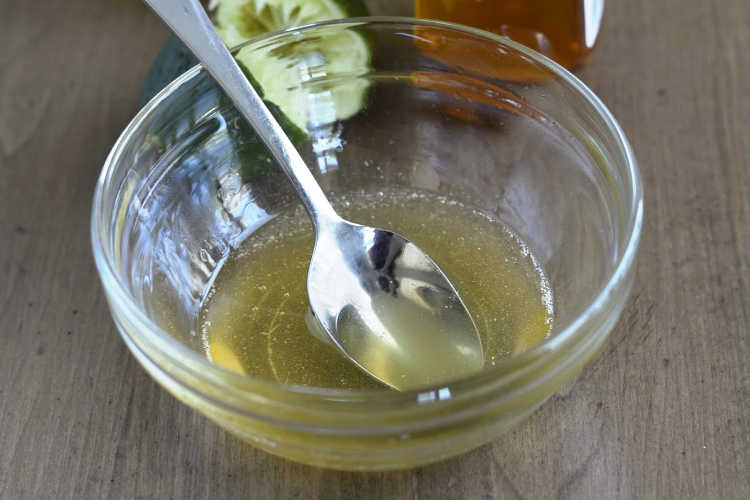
(188, 20)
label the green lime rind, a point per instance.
(173, 60)
(254, 157)
(353, 8)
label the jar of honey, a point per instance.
(564, 30)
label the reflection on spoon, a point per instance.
(394, 312)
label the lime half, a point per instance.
(315, 81)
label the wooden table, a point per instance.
(663, 412)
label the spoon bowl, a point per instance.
(386, 305)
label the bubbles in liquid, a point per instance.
(256, 309)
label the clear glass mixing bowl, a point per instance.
(446, 108)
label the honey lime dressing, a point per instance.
(253, 319)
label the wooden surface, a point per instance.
(663, 412)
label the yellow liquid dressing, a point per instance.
(253, 320)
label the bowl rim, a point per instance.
(298, 395)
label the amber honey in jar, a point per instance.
(564, 30)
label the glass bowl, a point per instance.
(444, 108)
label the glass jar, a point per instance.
(563, 30)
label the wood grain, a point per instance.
(663, 412)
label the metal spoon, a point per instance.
(381, 300)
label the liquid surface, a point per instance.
(253, 320)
